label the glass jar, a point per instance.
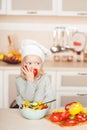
(56, 58)
(85, 56)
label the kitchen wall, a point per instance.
(39, 28)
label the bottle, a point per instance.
(11, 45)
(85, 54)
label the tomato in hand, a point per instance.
(56, 117)
(35, 71)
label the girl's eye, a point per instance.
(29, 63)
(37, 63)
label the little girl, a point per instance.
(33, 84)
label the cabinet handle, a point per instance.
(31, 12)
(83, 14)
(82, 94)
(82, 73)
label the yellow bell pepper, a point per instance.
(75, 108)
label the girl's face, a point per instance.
(33, 61)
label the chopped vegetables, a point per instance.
(72, 114)
(34, 105)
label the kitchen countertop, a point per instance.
(11, 119)
(65, 65)
(51, 65)
(4, 65)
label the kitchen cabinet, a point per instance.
(45, 7)
(71, 86)
(72, 7)
(34, 7)
(52, 76)
(2, 6)
(1, 89)
(9, 86)
(64, 98)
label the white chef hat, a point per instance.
(31, 47)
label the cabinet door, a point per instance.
(72, 81)
(2, 6)
(1, 89)
(10, 92)
(72, 7)
(64, 98)
(31, 7)
(52, 75)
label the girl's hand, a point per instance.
(28, 72)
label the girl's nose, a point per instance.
(33, 66)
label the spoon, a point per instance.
(49, 101)
(55, 48)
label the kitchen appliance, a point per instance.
(79, 43)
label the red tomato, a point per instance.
(65, 115)
(35, 71)
(69, 122)
(44, 106)
(56, 117)
(81, 117)
(68, 105)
